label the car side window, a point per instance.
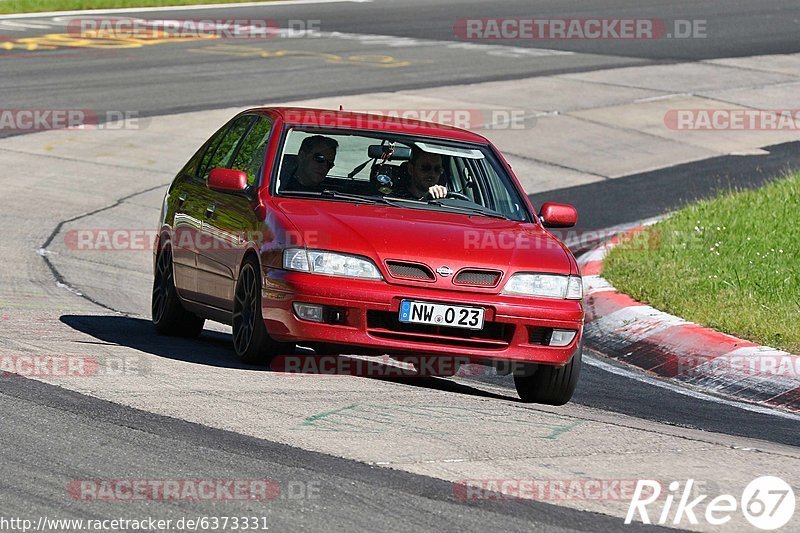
(250, 156)
(226, 147)
(499, 192)
(209, 148)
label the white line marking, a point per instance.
(594, 284)
(597, 254)
(753, 151)
(637, 322)
(661, 97)
(594, 361)
(750, 351)
(176, 8)
(400, 42)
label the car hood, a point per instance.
(435, 238)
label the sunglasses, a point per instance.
(319, 158)
(427, 167)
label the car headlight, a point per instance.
(329, 263)
(546, 286)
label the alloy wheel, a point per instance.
(245, 310)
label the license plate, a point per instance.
(454, 316)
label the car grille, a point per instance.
(479, 278)
(385, 324)
(410, 270)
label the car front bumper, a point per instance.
(515, 328)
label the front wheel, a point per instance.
(169, 316)
(550, 385)
(251, 341)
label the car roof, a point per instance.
(329, 118)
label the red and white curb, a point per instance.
(670, 347)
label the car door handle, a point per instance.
(210, 210)
(182, 199)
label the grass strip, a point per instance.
(731, 263)
(38, 6)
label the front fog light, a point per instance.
(562, 337)
(310, 312)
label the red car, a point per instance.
(364, 234)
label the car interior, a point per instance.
(370, 166)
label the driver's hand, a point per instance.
(437, 191)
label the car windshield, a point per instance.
(397, 170)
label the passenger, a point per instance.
(315, 158)
(424, 171)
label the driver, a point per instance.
(315, 158)
(424, 171)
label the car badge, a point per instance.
(444, 271)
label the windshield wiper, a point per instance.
(357, 198)
(465, 209)
(473, 210)
(328, 193)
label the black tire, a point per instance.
(549, 385)
(169, 316)
(251, 340)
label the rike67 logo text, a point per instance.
(767, 502)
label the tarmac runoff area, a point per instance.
(583, 128)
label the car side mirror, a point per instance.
(555, 215)
(227, 180)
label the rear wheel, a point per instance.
(251, 341)
(169, 316)
(550, 385)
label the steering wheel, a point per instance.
(450, 194)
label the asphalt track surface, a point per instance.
(354, 496)
(175, 77)
(77, 436)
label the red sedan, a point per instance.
(364, 234)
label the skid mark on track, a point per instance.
(59, 278)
